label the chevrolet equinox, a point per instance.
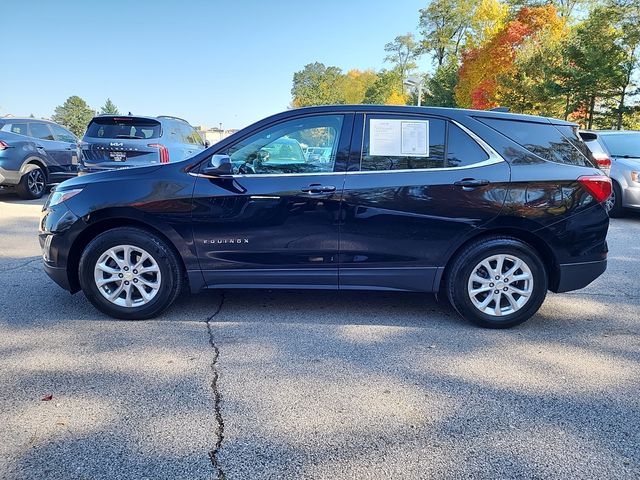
(490, 209)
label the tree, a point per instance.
(440, 87)
(74, 114)
(596, 62)
(109, 108)
(385, 89)
(627, 19)
(353, 86)
(443, 25)
(402, 54)
(316, 84)
(489, 72)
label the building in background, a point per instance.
(214, 134)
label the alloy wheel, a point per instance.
(127, 276)
(35, 181)
(500, 285)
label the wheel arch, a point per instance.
(536, 242)
(105, 224)
(34, 160)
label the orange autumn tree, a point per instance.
(483, 67)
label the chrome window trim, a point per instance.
(494, 158)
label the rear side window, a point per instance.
(41, 131)
(187, 134)
(462, 150)
(19, 128)
(403, 143)
(123, 127)
(544, 140)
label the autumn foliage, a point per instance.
(483, 67)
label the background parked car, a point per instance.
(618, 153)
(117, 141)
(35, 154)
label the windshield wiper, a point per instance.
(129, 136)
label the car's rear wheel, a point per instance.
(130, 273)
(33, 184)
(497, 282)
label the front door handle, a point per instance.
(317, 188)
(471, 183)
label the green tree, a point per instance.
(440, 87)
(595, 62)
(402, 53)
(74, 114)
(317, 84)
(443, 25)
(385, 87)
(109, 108)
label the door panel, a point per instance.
(260, 228)
(398, 226)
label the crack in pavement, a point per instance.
(22, 265)
(213, 454)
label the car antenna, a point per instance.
(500, 109)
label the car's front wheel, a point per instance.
(497, 282)
(130, 273)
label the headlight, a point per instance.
(57, 197)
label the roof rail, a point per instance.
(173, 118)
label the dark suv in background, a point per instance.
(117, 141)
(490, 209)
(35, 154)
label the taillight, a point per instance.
(599, 186)
(3, 145)
(164, 152)
(603, 161)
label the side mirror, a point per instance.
(218, 166)
(207, 144)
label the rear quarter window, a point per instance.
(556, 143)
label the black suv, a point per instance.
(491, 209)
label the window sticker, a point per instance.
(398, 138)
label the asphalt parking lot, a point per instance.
(282, 384)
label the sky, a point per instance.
(210, 62)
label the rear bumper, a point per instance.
(9, 177)
(574, 276)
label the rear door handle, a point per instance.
(317, 188)
(471, 183)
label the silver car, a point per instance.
(617, 152)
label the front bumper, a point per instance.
(631, 197)
(59, 227)
(574, 276)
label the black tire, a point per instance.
(462, 267)
(33, 184)
(170, 266)
(616, 210)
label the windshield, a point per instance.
(622, 144)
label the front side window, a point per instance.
(63, 135)
(280, 149)
(392, 142)
(41, 131)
